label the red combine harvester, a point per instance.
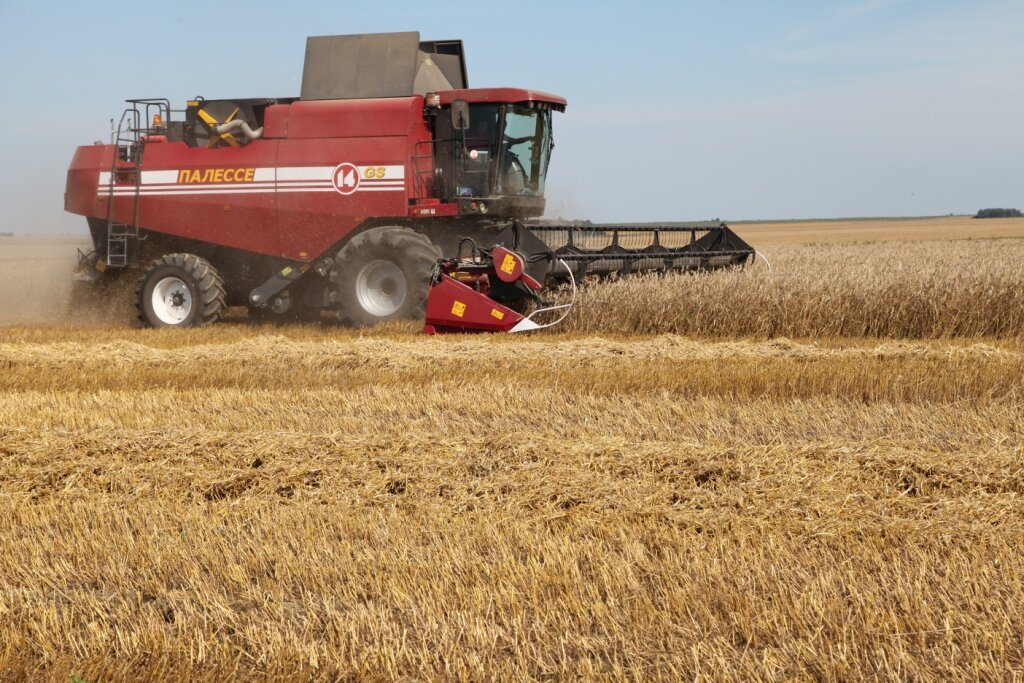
(346, 199)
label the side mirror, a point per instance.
(460, 114)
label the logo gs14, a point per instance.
(347, 176)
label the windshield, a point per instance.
(506, 151)
(526, 144)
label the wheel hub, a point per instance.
(171, 300)
(380, 288)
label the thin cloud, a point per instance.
(840, 16)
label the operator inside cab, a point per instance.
(482, 148)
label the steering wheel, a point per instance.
(516, 141)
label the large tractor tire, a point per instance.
(383, 274)
(180, 290)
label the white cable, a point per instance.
(527, 324)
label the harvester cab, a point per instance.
(493, 157)
(348, 198)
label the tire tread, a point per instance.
(410, 244)
(211, 294)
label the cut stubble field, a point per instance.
(810, 473)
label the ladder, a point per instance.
(125, 172)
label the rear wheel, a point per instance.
(180, 290)
(383, 274)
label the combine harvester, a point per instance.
(347, 198)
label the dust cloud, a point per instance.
(36, 286)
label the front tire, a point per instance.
(180, 290)
(383, 274)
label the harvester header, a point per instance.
(464, 288)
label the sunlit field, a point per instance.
(810, 472)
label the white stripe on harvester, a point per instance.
(265, 179)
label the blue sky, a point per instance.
(677, 110)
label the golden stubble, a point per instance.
(622, 502)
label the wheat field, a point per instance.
(812, 473)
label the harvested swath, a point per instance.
(169, 421)
(187, 455)
(779, 368)
(318, 503)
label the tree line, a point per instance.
(998, 213)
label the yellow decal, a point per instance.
(458, 309)
(374, 172)
(508, 264)
(216, 175)
(101, 265)
(286, 271)
(495, 313)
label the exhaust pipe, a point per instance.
(239, 125)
